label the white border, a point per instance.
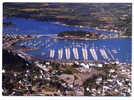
(65, 98)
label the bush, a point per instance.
(70, 70)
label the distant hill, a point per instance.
(109, 16)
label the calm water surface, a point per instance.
(44, 44)
(30, 26)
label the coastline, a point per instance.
(10, 44)
(76, 38)
(67, 49)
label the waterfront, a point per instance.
(121, 46)
(45, 44)
(50, 51)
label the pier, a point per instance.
(87, 54)
(75, 52)
(67, 53)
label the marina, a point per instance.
(99, 50)
(51, 48)
(107, 55)
(67, 49)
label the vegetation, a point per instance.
(126, 24)
(104, 16)
(79, 34)
(70, 70)
(73, 33)
(106, 68)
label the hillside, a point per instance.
(108, 16)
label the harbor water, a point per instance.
(48, 47)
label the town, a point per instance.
(67, 49)
(34, 76)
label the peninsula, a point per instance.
(84, 35)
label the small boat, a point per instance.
(115, 51)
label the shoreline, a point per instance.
(76, 38)
(118, 73)
(67, 25)
(21, 49)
